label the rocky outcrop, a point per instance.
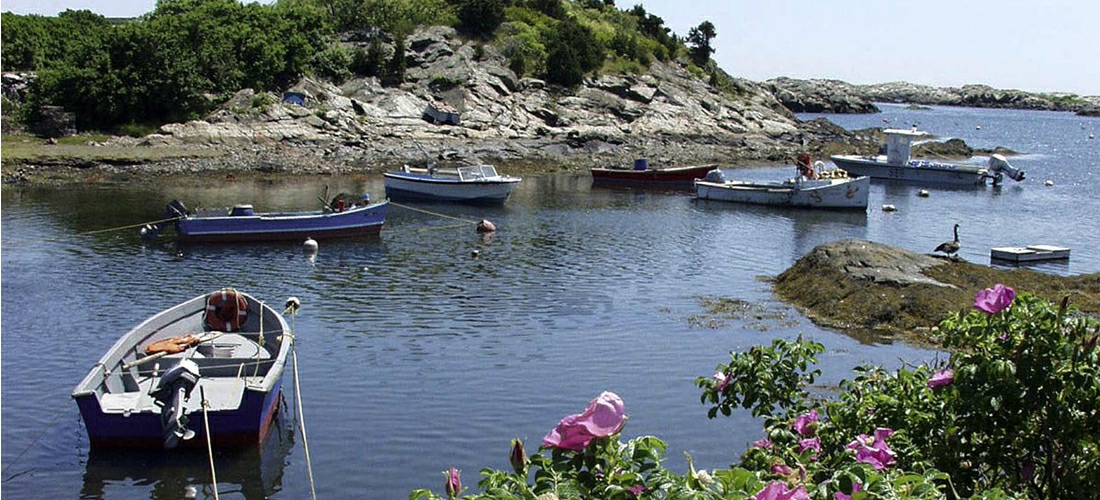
(875, 291)
(834, 96)
(667, 115)
(820, 96)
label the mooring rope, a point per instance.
(28, 447)
(437, 214)
(209, 443)
(298, 396)
(98, 231)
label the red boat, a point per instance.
(643, 176)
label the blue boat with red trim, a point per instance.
(215, 358)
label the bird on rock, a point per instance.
(950, 247)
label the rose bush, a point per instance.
(1014, 409)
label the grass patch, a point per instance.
(86, 149)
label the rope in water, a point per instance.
(209, 443)
(298, 400)
(437, 214)
(107, 230)
(29, 445)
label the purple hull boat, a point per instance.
(242, 224)
(225, 351)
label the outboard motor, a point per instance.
(998, 163)
(175, 209)
(173, 389)
(715, 175)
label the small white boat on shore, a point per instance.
(480, 184)
(897, 165)
(829, 189)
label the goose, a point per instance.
(950, 247)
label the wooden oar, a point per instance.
(152, 357)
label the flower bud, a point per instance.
(454, 484)
(518, 457)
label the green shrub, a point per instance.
(1011, 415)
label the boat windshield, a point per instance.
(478, 172)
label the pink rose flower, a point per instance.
(763, 443)
(454, 483)
(874, 450)
(804, 424)
(781, 469)
(778, 490)
(603, 417)
(994, 300)
(722, 380)
(810, 444)
(941, 378)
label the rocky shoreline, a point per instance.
(875, 292)
(668, 116)
(835, 96)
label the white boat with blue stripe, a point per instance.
(479, 184)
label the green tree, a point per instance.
(371, 62)
(572, 52)
(481, 17)
(395, 71)
(552, 8)
(164, 67)
(700, 37)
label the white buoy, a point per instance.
(475, 253)
(889, 208)
(1092, 136)
(292, 304)
(923, 193)
(1048, 183)
(978, 127)
(310, 246)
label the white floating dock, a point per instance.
(1029, 253)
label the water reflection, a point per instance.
(255, 472)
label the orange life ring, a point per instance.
(172, 345)
(225, 310)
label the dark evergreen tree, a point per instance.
(700, 38)
(395, 71)
(552, 8)
(481, 17)
(573, 52)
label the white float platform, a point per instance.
(1029, 253)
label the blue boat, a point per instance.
(226, 349)
(242, 224)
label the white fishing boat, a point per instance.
(480, 184)
(898, 165)
(816, 188)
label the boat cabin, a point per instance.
(899, 145)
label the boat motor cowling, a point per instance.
(998, 163)
(715, 175)
(173, 389)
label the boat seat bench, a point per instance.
(223, 394)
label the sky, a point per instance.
(1050, 46)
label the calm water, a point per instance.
(415, 357)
